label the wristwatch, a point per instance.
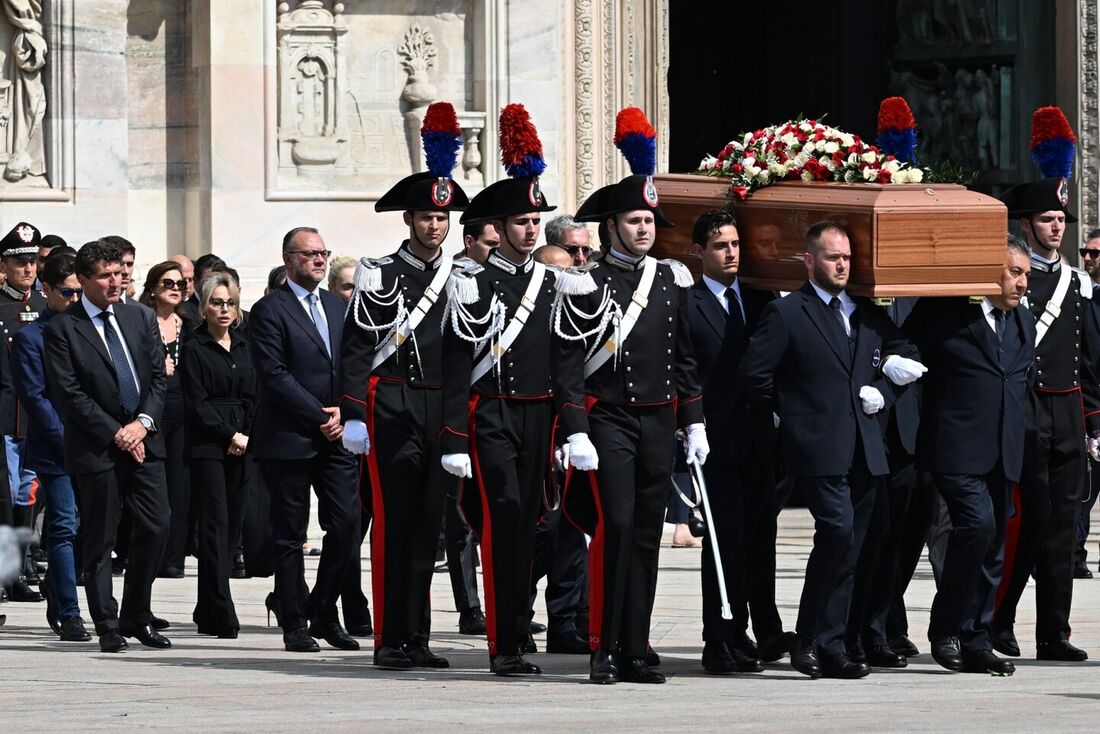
(146, 421)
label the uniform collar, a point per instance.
(1040, 263)
(15, 294)
(503, 263)
(406, 254)
(623, 262)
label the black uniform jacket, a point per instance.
(219, 388)
(16, 311)
(975, 393)
(799, 365)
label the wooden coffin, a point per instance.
(907, 239)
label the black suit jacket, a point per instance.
(798, 364)
(83, 383)
(731, 423)
(974, 400)
(297, 376)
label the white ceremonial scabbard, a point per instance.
(701, 490)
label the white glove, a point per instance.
(695, 445)
(901, 370)
(1093, 445)
(458, 465)
(579, 453)
(775, 420)
(872, 399)
(355, 437)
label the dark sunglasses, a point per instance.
(1088, 252)
(70, 292)
(173, 285)
(574, 249)
(223, 305)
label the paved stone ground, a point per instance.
(251, 684)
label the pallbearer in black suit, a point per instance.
(391, 375)
(980, 360)
(105, 366)
(219, 385)
(827, 364)
(630, 380)
(498, 386)
(295, 333)
(724, 313)
(1065, 405)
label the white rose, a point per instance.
(891, 166)
(748, 162)
(807, 176)
(788, 139)
(762, 176)
(869, 157)
(828, 162)
(916, 175)
(831, 147)
(778, 169)
(869, 174)
(846, 140)
(853, 159)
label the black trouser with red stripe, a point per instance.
(636, 449)
(510, 449)
(408, 486)
(1051, 490)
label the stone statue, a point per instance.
(985, 101)
(27, 99)
(417, 53)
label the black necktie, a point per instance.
(735, 319)
(999, 324)
(128, 395)
(845, 329)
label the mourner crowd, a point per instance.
(538, 404)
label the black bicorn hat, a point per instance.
(1049, 194)
(633, 192)
(423, 192)
(521, 154)
(434, 189)
(22, 241)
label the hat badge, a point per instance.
(1063, 192)
(649, 193)
(26, 233)
(442, 192)
(534, 192)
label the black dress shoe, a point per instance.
(144, 633)
(1061, 650)
(841, 666)
(72, 629)
(472, 622)
(512, 665)
(334, 635)
(392, 658)
(804, 658)
(112, 641)
(158, 624)
(52, 620)
(567, 644)
(635, 670)
(118, 567)
(528, 646)
(602, 667)
(902, 645)
(1081, 571)
(299, 640)
(238, 570)
(986, 662)
(360, 630)
(744, 643)
(717, 659)
(881, 656)
(21, 591)
(422, 657)
(774, 648)
(536, 628)
(652, 659)
(230, 633)
(947, 653)
(856, 651)
(1004, 641)
(170, 573)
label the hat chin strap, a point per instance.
(414, 238)
(622, 240)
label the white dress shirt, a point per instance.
(302, 295)
(719, 292)
(93, 312)
(847, 305)
(987, 310)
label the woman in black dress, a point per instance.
(220, 387)
(163, 292)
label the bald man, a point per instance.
(554, 255)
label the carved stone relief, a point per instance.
(23, 99)
(1088, 138)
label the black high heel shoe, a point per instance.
(272, 605)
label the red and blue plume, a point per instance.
(1053, 144)
(442, 138)
(520, 147)
(636, 140)
(897, 130)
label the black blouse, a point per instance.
(220, 391)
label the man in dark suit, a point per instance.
(105, 366)
(975, 403)
(723, 313)
(827, 365)
(295, 332)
